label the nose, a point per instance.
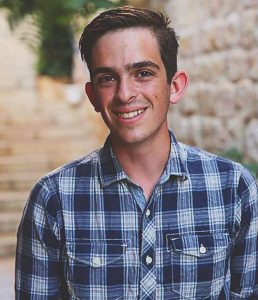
(126, 90)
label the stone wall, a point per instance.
(219, 50)
(26, 97)
(44, 123)
(17, 74)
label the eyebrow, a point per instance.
(101, 70)
(142, 64)
(129, 67)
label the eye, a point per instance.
(144, 74)
(106, 79)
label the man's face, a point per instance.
(130, 86)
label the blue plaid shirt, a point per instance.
(86, 232)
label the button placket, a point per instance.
(202, 249)
(148, 281)
(148, 260)
(147, 213)
(96, 261)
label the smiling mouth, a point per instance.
(131, 114)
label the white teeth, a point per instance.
(131, 114)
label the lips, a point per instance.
(131, 114)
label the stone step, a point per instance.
(22, 181)
(7, 244)
(41, 114)
(37, 133)
(57, 147)
(47, 118)
(44, 120)
(13, 201)
(24, 163)
(9, 221)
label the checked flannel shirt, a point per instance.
(85, 233)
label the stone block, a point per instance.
(249, 3)
(214, 134)
(6, 225)
(178, 8)
(256, 101)
(235, 127)
(221, 8)
(190, 44)
(224, 100)
(195, 131)
(211, 35)
(246, 100)
(216, 34)
(180, 126)
(249, 28)
(5, 29)
(209, 133)
(251, 140)
(7, 249)
(205, 67)
(204, 95)
(17, 61)
(189, 106)
(252, 61)
(236, 64)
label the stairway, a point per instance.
(37, 135)
(39, 128)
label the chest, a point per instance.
(182, 235)
(177, 207)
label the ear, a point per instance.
(178, 86)
(89, 90)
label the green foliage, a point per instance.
(55, 20)
(236, 155)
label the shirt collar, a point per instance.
(110, 170)
(176, 164)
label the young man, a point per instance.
(145, 217)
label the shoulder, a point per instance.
(200, 161)
(196, 155)
(64, 178)
(79, 167)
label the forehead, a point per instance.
(125, 46)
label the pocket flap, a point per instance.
(96, 253)
(198, 244)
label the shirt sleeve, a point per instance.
(37, 270)
(244, 254)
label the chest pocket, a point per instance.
(199, 263)
(95, 269)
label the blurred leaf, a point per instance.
(55, 21)
(233, 154)
(236, 155)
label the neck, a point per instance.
(144, 163)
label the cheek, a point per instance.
(150, 91)
(104, 97)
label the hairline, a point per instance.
(150, 28)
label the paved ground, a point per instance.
(7, 278)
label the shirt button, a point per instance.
(202, 249)
(147, 213)
(148, 260)
(96, 261)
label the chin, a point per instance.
(132, 138)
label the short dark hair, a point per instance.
(128, 17)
